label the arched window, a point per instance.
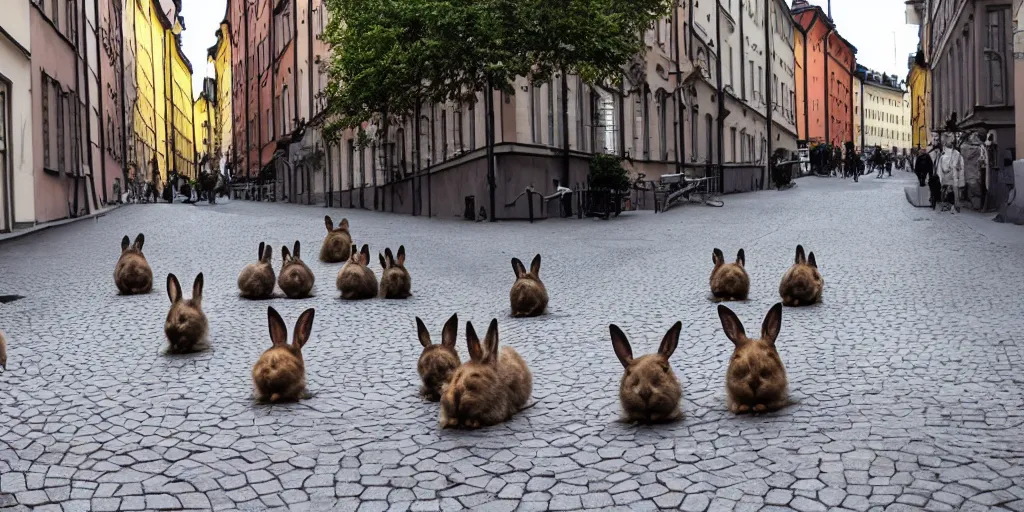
(694, 116)
(709, 123)
(663, 124)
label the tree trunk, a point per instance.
(489, 132)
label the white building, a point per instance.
(883, 110)
(17, 197)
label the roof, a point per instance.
(801, 6)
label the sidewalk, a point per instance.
(18, 233)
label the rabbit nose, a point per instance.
(645, 394)
(755, 383)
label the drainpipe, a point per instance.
(124, 112)
(767, 81)
(99, 75)
(680, 126)
(720, 128)
(828, 121)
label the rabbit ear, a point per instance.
(741, 258)
(732, 326)
(449, 331)
(772, 324)
(621, 345)
(383, 261)
(139, 242)
(197, 289)
(671, 340)
(296, 251)
(401, 255)
(268, 253)
(423, 333)
(303, 328)
(389, 256)
(354, 253)
(285, 254)
(518, 268)
(329, 223)
(278, 331)
(344, 224)
(800, 258)
(476, 352)
(535, 266)
(810, 260)
(491, 343)
(365, 254)
(125, 242)
(717, 257)
(259, 252)
(173, 288)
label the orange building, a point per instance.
(825, 63)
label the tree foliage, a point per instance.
(390, 55)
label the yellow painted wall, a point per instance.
(179, 105)
(920, 104)
(203, 134)
(223, 126)
(150, 109)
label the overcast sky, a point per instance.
(870, 25)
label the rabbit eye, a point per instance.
(655, 379)
(765, 373)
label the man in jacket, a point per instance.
(923, 167)
(949, 166)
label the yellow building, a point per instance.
(203, 127)
(919, 83)
(162, 115)
(858, 119)
(220, 56)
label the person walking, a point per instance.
(950, 169)
(923, 168)
(154, 181)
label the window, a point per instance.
(270, 126)
(732, 139)
(694, 116)
(710, 140)
(351, 163)
(996, 51)
(551, 113)
(743, 144)
(459, 142)
(642, 104)
(535, 114)
(753, 86)
(472, 125)
(731, 69)
(362, 166)
(663, 125)
(444, 134)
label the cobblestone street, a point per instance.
(905, 382)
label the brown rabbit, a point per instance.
(355, 280)
(280, 373)
(337, 245)
(729, 281)
(437, 362)
(132, 274)
(756, 378)
(649, 391)
(802, 283)
(528, 295)
(296, 279)
(257, 279)
(488, 389)
(3, 352)
(395, 282)
(186, 323)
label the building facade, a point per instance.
(112, 97)
(858, 113)
(825, 67)
(970, 54)
(884, 111)
(202, 114)
(219, 56)
(17, 131)
(919, 84)
(1018, 63)
(62, 179)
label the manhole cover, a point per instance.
(4, 299)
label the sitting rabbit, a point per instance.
(280, 373)
(256, 281)
(395, 282)
(355, 280)
(729, 281)
(186, 324)
(437, 362)
(649, 390)
(528, 295)
(802, 283)
(488, 389)
(296, 279)
(756, 379)
(132, 274)
(337, 245)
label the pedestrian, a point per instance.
(950, 169)
(155, 181)
(923, 167)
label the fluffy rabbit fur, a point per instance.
(338, 243)
(649, 391)
(437, 362)
(729, 281)
(132, 274)
(186, 323)
(257, 279)
(296, 279)
(528, 295)
(3, 352)
(756, 378)
(280, 373)
(355, 280)
(802, 283)
(395, 282)
(488, 389)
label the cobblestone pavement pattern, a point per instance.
(905, 382)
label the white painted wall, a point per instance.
(16, 68)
